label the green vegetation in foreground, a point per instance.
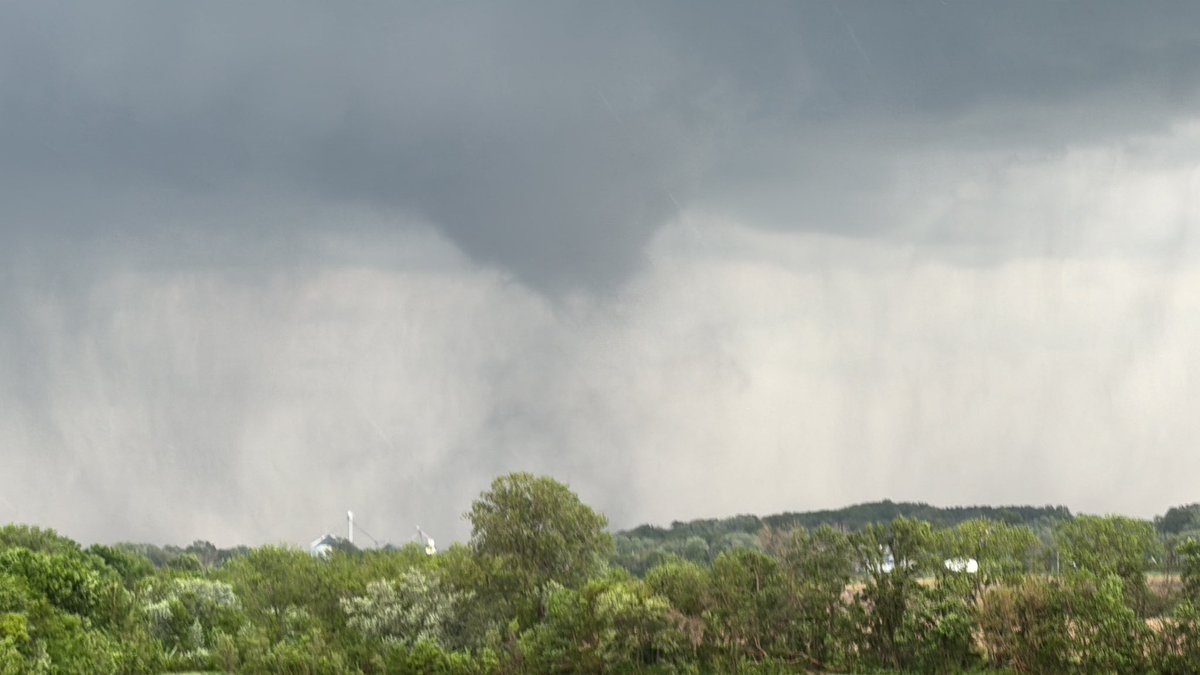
(543, 588)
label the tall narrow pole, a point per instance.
(350, 526)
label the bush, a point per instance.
(65, 581)
(937, 633)
(1081, 625)
(610, 625)
(1177, 651)
(413, 608)
(1107, 635)
(185, 615)
(428, 658)
(1024, 627)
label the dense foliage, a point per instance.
(701, 541)
(543, 588)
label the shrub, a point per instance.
(1177, 651)
(937, 633)
(1024, 627)
(1081, 625)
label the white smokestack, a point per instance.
(350, 526)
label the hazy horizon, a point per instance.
(265, 263)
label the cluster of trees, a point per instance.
(701, 541)
(537, 590)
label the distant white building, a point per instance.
(959, 565)
(321, 548)
(888, 564)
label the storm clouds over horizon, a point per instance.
(263, 263)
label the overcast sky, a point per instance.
(261, 263)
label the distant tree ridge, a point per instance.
(702, 540)
(856, 517)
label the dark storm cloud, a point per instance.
(257, 260)
(549, 139)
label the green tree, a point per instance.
(1107, 636)
(188, 614)
(818, 566)
(1002, 551)
(1177, 651)
(1111, 545)
(1025, 627)
(893, 557)
(1188, 554)
(66, 581)
(36, 539)
(749, 604)
(610, 625)
(687, 586)
(270, 581)
(936, 634)
(696, 550)
(130, 566)
(1179, 519)
(540, 530)
(684, 583)
(413, 608)
(206, 552)
(1077, 624)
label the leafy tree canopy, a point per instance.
(540, 528)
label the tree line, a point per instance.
(541, 588)
(700, 541)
